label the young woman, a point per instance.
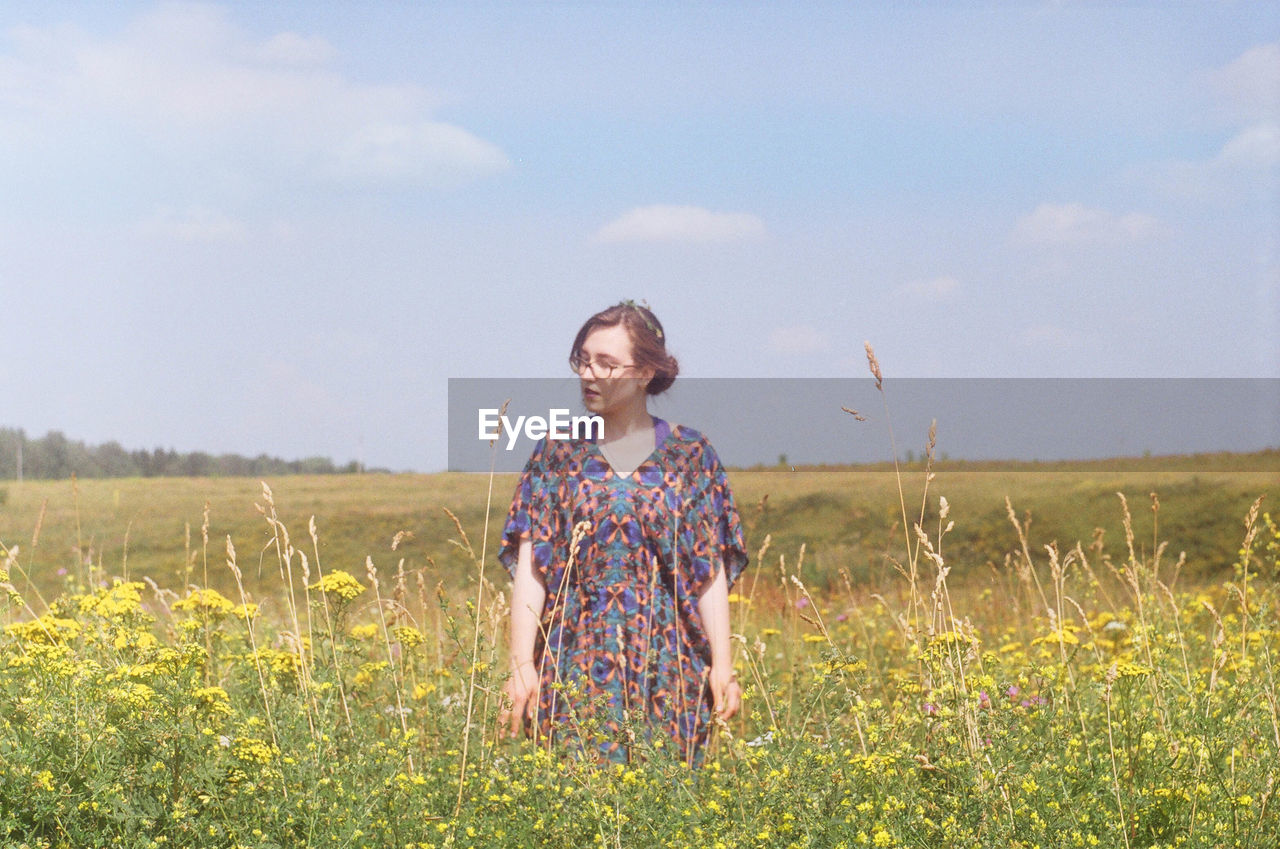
(622, 550)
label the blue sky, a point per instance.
(282, 227)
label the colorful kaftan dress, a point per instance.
(621, 647)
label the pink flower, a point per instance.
(843, 617)
(802, 602)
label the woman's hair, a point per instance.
(648, 342)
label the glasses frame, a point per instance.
(577, 362)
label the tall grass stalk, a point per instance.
(284, 560)
(253, 646)
(328, 622)
(475, 643)
(396, 673)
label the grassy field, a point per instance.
(987, 683)
(846, 518)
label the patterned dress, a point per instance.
(621, 647)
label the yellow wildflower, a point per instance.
(252, 751)
(215, 699)
(46, 629)
(1128, 669)
(206, 602)
(409, 636)
(339, 583)
(1063, 636)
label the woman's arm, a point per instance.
(713, 606)
(527, 598)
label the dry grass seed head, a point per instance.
(875, 366)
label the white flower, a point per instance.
(762, 740)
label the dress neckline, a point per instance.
(661, 433)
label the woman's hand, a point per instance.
(726, 695)
(527, 598)
(521, 690)
(713, 606)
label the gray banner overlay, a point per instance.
(760, 421)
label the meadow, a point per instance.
(1002, 657)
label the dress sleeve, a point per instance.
(533, 513)
(717, 526)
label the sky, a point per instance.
(281, 228)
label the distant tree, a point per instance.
(55, 456)
(114, 462)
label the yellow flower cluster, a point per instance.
(141, 640)
(46, 629)
(281, 663)
(120, 599)
(1064, 636)
(409, 636)
(132, 694)
(214, 699)
(339, 583)
(245, 611)
(55, 659)
(207, 602)
(365, 676)
(1128, 669)
(250, 750)
(947, 638)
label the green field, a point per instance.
(994, 686)
(846, 518)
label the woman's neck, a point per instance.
(622, 423)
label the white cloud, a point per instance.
(427, 150)
(1250, 85)
(666, 223)
(194, 224)
(1073, 223)
(933, 289)
(798, 339)
(1246, 93)
(1254, 147)
(185, 76)
(1245, 161)
(289, 48)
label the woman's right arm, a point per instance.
(527, 598)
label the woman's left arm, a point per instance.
(713, 607)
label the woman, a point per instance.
(622, 639)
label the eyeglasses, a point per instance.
(598, 370)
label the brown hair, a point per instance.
(648, 342)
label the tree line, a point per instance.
(55, 457)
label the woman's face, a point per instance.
(609, 379)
